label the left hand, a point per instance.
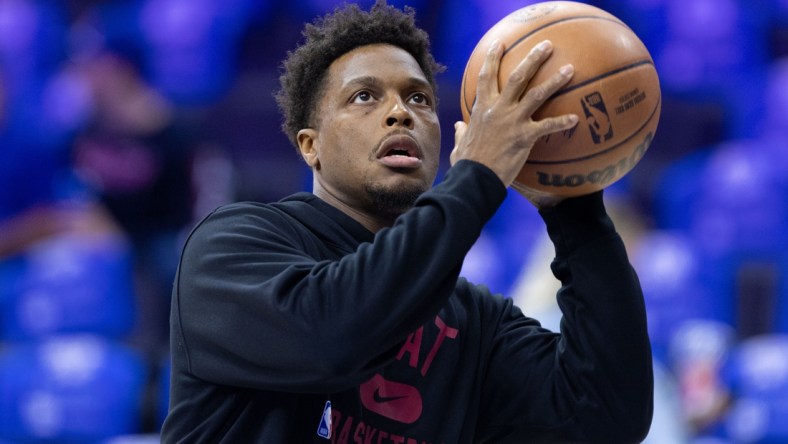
(538, 199)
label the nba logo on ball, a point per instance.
(597, 117)
(615, 91)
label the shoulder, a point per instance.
(241, 216)
(244, 224)
(257, 210)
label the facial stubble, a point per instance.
(392, 201)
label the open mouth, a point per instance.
(399, 145)
(400, 151)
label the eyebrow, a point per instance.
(362, 81)
(374, 81)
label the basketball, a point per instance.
(614, 91)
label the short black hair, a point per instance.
(333, 35)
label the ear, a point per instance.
(307, 145)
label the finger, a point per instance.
(459, 133)
(550, 125)
(538, 94)
(487, 85)
(522, 74)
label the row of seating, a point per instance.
(66, 373)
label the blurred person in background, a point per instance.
(136, 158)
(32, 206)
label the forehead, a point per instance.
(380, 61)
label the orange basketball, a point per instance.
(615, 92)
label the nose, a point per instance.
(399, 115)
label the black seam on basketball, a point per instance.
(546, 25)
(567, 19)
(602, 76)
(605, 151)
(593, 79)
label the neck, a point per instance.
(372, 221)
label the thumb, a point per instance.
(459, 132)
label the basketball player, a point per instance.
(339, 316)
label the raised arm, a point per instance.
(593, 381)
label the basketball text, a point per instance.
(600, 176)
(629, 100)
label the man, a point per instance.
(339, 315)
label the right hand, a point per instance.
(501, 131)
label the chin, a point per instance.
(394, 200)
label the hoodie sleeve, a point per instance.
(593, 382)
(251, 308)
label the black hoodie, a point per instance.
(291, 322)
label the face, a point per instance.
(376, 143)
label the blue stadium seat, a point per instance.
(759, 367)
(186, 48)
(742, 206)
(781, 317)
(774, 101)
(732, 200)
(758, 376)
(677, 286)
(76, 388)
(755, 421)
(676, 191)
(70, 284)
(30, 46)
(710, 49)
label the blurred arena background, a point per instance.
(124, 122)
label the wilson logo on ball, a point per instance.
(602, 176)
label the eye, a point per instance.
(362, 97)
(420, 99)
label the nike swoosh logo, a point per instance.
(394, 400)
(380, 398)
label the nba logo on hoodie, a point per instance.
(324, 429)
